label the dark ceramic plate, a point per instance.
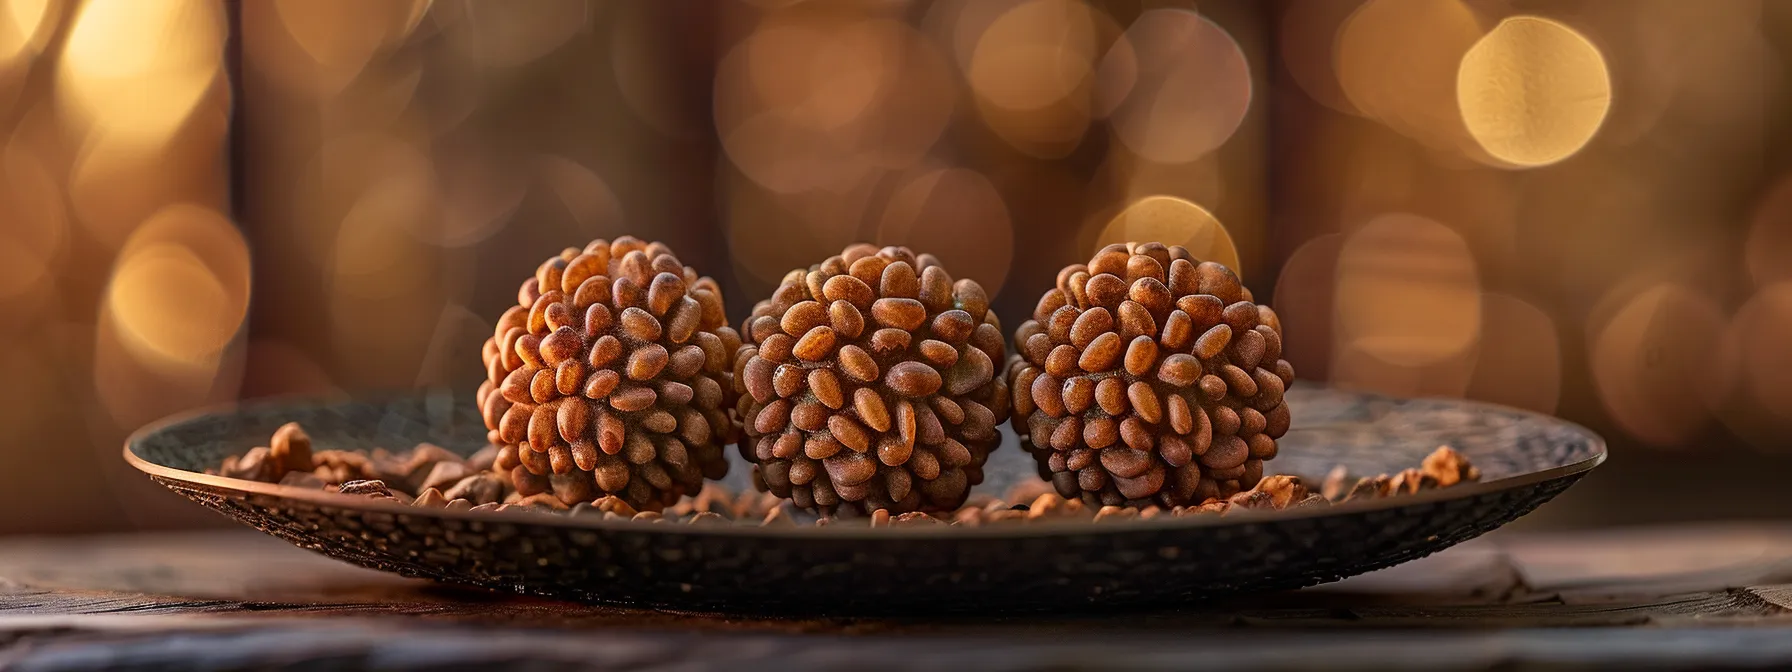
(1525, 459)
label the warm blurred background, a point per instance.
(1582, 207)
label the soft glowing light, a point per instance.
(347, 166)
(827, 76)
(1650, 362)
(1030, 74)
(957, 215)
(513, 33)
(1173, 221)
(1176, 87)
(815, 102)
(376, 256)
(1396, 61)
(25, 25)
(1533, 91)
(345, 34)
(181, 287)
(783, 155)
(1408, 291)
(958, 25)
(1035, 55)
(135, 69)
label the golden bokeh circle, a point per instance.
(1032, 71)
(1533, 91)
(818, 101)
(136, 69)
(1034, 55)
(180, 289)
(1408, 291)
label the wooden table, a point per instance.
(1705, 596)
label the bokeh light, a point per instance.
(1578, 208)
(1652, 361)
(511, 34)
(345, 166)
(1176, 86)
(1032, 72)
(25, 26)
(1397, 63)
(375, 255)
(814, 101)
(1408, 292)
(1533, 91)
(341, 36)
(180, 290)
(1036, 54)
(135, 69)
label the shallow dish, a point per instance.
(1525, 459)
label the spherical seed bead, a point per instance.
(1148, 375)
(611, 345)
(901, 398)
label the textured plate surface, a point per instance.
(1525, 459)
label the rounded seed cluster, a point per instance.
(870, 383)
(612, 376)
(1150, 377)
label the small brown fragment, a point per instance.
(290, 448)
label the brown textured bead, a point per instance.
(613, 352)
(900, 397)
(1149, 378)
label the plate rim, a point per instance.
(1596, 444)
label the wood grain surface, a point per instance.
(1706, 596)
